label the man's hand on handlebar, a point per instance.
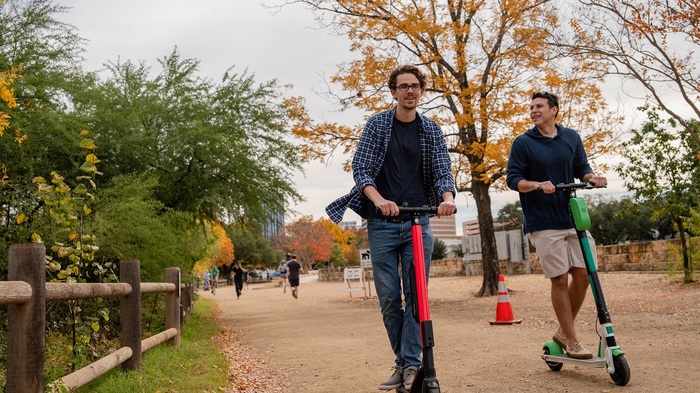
(546, 186)
(447, 208)
(598, 181)
(388, 208)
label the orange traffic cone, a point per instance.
(504, 312)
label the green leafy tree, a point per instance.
(439, 250)
(48, 52)
(337, 258)
(617, 221)
(202, 141)
(661, 167)
(132, 224)
(457, 250)
(252, 247)
(511, 216)
(61, 220)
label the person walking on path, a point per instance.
(238, 277)
(283, 275)
(214, 272)
(207, 280)
(401, 160)
(545, 155)
(293, 269)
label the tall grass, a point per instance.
(196, 366)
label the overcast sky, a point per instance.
(223, 33)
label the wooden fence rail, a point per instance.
(26, 293)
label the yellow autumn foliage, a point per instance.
(483, 60)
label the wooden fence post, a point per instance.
(26, 343)
(172, 304)
(130, 306)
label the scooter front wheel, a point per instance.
(621, 376)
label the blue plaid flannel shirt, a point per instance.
(369, 158)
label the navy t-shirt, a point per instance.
(400, 178)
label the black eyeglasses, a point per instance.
(552, 98)
(405, 87)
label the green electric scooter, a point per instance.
(610, 355)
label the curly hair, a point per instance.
(407, 69)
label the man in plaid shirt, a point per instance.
(401, 159)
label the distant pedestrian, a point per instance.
(293, 269)
(238, 278)
(283, 275)
(214, 271)
(207, 280)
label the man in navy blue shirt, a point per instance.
(545, 155)
(401, 159)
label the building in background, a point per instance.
(511, 246)
(445, 229)
(349, 225)
(471, 227)
(274, 224)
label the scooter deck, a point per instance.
(593, 362)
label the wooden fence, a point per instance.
(27, 292)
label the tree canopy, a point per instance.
(179, 150)
(654, 43)
(660, 167)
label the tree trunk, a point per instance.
(489, 256)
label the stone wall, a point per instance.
(648, 256)
(654, 256)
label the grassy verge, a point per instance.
(196, 366)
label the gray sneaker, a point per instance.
(408, 374)
(394, 381)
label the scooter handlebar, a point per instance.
(420, 209)
(576, 186)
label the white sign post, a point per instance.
(366, 263)
(365, 259)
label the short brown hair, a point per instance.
(406, 69)
(552, 99)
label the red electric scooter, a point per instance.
(425, 380)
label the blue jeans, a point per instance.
(391, 251)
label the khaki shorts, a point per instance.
(559, 250)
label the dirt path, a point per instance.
(327, 341)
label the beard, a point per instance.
(409, 104)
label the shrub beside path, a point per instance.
(327, 341)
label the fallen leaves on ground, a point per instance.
(248, 372)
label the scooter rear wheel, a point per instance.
(621, 376)
(554, 366)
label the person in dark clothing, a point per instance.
(545, 155)
(293, 268)
(238, 277)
